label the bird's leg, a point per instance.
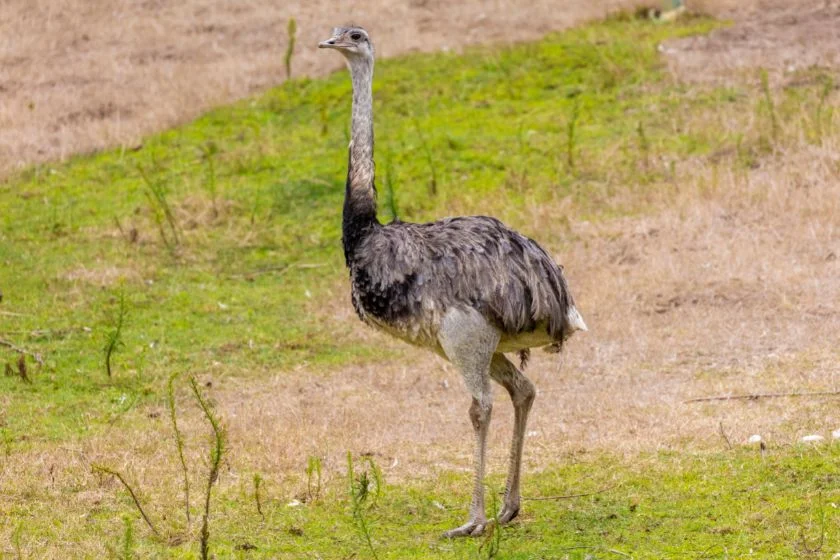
(522, 393)
(468, 341)
(480, 418)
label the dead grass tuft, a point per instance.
(105, 276)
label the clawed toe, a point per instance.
(508, 513)
(468, 529)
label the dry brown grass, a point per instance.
(80, 75)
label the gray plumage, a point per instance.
(406, 276)
(469, 288)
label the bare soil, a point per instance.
(782, 36)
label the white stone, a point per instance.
(755, 438)
(812, 438)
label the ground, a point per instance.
(697, 226)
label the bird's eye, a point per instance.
(356, 36)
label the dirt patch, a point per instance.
(783, 37)
(78, 76)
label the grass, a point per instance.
(669, 505)
(230, 264)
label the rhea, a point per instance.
(468, 288)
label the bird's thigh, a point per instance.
(468, 340)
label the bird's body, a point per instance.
(406, 276)
(469, 288)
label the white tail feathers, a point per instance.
(575, 320)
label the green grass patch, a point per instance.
(732, 504)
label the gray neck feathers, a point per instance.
(361, 170)
(360, 197)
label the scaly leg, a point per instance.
(468, 341)
(522, 394)
(480, 417)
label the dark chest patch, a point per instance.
(387, 302)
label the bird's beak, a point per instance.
(330, 44)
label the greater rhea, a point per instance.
(469, 288)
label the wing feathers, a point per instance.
(475, 261)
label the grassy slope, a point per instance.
(494, 123)
(255, 190)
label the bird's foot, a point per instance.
(472, 528)
(508, 513)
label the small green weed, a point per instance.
(179, 443)
(362, 486)
(208, 153)
(157, 195)
(216, 452)
(258, 482)
(113, 338)
(16, 535)
(491, 542)
(109, 471)
(769, 106)
(824, 112)
(430, 159)
(571, 127)
(19, 370)
(644, 148)
(291, 31)
(128, 539)
(313, 477)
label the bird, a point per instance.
(468, 288)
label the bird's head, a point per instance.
(351, 41)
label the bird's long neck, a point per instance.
(360, 196)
